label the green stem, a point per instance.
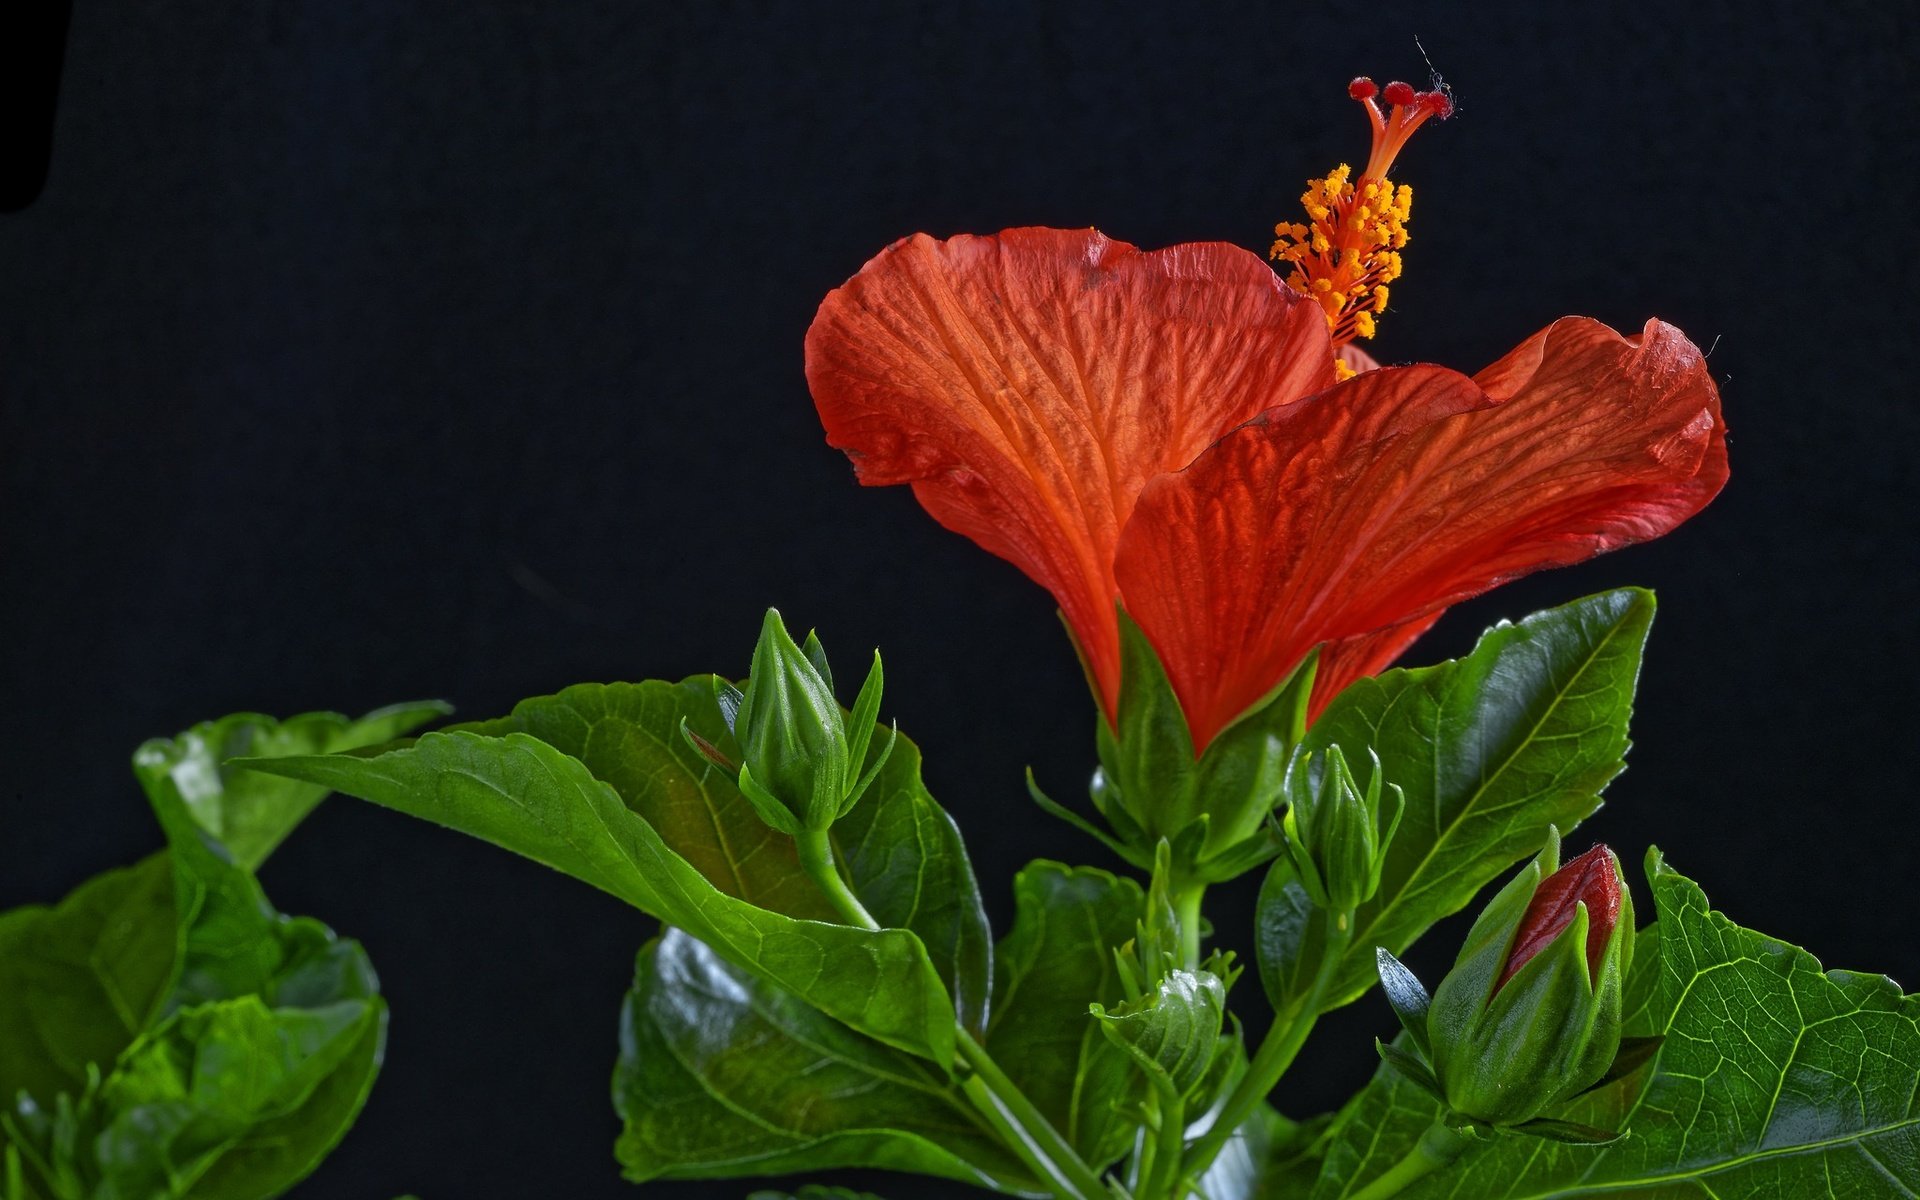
(1162, 1178)
(816, 859)
(1140, 1167)
(1276, 1053)
(1025, 1129)
(1437, 1147)
(1186, 907)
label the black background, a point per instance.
(358, 352)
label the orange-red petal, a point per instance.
(1352, 517)
(1344, 660)
(1029, 385)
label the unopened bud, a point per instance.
(1337, 835)
(796, 763)
(1530, 1014)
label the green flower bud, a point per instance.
(795, 756)
(1336, 835)
(1530, 1014)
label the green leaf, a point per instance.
(814, 1191)
(902, 853)
(1056, 961)
(210, 1044)
(233, 943)
(224, 1101)
(199, 1042)
(243, 1098)
(522, 794)
(628, 736)
(1270, 1157)
(722, 1074)
(247, 812)
(1489, 749)
(79, 982)
(1775, 1079)
(1292, 935)
(908, 865)
(1174, 1032)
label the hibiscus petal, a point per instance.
(1357, 360)
(1029, 385)
(1344, 660)
(1364, 511)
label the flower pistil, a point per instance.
(1350, 251)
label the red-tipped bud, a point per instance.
(1438, 103)
(1531, 1012)
(1399, 93)
(1592, 879)
(1362, 88)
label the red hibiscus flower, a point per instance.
(1180, 433)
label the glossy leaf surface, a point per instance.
(522, 794)
(166, 1033)
(233, 1100)
(903, 855)
(249, 812)
(1490, 750)
(78, 982)
(722, 1074)
(907, 863)
(1056, 961)
(1269, 1158)
(1776, 1079)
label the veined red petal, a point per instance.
(1344, 660)
(1237, 566)
(1350, 517)
(1029, 384)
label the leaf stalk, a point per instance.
(1025, 1130)
(1439, 1146)
(816, 859)
(1186, 907)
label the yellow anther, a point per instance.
(1349, 251)
(1342, 371)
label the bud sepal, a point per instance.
(799, 751)
(1530, 1015)
(1209, 803)
(1335, 834)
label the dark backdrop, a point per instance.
(358, 351)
